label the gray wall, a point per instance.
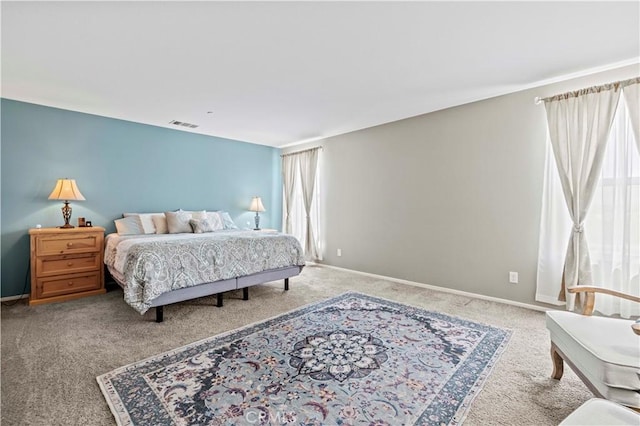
(451, 198)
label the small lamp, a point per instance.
(66, 189)
(256, 206)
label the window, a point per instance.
(302, 171)
(612, 222)
(612, 226)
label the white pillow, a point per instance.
(147, 221)
(130, 225)
(160, 223)
(215, 220)
(199, 214)
(178, 222)
(226, 220)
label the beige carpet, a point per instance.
(51, 354)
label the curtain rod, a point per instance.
(593, 89)
(300, 152)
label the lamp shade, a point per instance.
(256, 205)
(66, 189)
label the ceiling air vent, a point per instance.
(183, 124)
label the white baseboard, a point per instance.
(436, 288)
(9, 298)
(397, 280)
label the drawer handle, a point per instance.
(69, 244)
(70, 264)
(70, 283)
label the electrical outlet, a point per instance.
(339, 252)
(513, 277)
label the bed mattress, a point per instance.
(148, 266)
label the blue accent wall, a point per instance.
(119, 166)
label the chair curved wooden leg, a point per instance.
(558, 364)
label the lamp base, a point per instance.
(66, 215)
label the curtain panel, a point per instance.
(308, 169)
(579, 125)
(612, 225)
(301, 209)
(632, 98)
(289, 169)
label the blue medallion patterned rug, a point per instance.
(353, 359)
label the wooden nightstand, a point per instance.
(66, 264)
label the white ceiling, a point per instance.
(278, 73)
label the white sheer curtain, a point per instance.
(612, 227)
(613, 224)
(632, 98)
(579, 125)
(555, 225)
(308, 168)
(289, 169)
(301, 171)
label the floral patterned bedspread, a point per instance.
(151, 265)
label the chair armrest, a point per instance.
(591, 294)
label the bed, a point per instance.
(155, 270)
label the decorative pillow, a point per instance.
(178, 222)
(226, 220)
(147, 221)
(160, 223)
(130, 225)
(216, 220)
(200, 226)
(199, 214)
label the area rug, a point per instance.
(352, 359)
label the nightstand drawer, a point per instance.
(67, 244)
(56, 286)
(67, 264)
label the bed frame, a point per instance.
(219, 287)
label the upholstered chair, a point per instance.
(601, 412)
(603, 351)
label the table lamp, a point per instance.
(256, 206)
(66, 189)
